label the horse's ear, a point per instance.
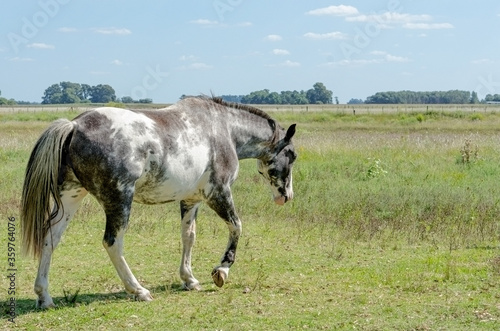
(285, 141)
(272, 124)
(290, 132)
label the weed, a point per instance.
(375, 169)
(469, 152)
(70, 298)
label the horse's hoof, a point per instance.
(45, 304)
(191, 287)
(219, 276)
(144, 296)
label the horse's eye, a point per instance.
(273, 173)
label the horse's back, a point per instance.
(150, 154)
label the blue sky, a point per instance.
(163, 49)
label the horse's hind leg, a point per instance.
(117, 216)
(71, 199)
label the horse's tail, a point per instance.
(41, 184)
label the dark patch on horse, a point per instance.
(139, 128)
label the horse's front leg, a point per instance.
(188, 230)
(222, 204)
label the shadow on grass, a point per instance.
(26, 306)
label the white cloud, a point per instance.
(386, 57)
(204, 22)
(428, 26)
(21, 59)
(278, 51)
(408, 21)
(67, 29)
(325, 36)
(389, 18)
(200, 66)
(483, 61)
(287, 63)
(273, 37)
(244, 24)
(99, 73)
(117, 62)
(380, 57)
(40, 46)
(196, 66)
(350, 63)
(114, 31)
(393, 58)
(341, 10)
(188, 58)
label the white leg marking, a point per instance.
(132, 286)
(70, 202)
(188, 239)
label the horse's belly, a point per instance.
(171, 189)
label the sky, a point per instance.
(161, 49)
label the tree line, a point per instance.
(5, 101)
(319, 94)
(432, 97)
(68, 92)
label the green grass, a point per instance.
(390, 229)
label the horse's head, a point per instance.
(276, 167)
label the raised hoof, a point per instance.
(219, 277)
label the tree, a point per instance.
(52, 95)
(4, 101)
(411, 97)
(102, 94)
(474, 99)
(355, 102)
(319, 94)
(85, 92)
(127, 100)
(273, 98)
(71, 92)
(68, 92)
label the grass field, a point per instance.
(394, 226)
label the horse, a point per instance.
(187, 152)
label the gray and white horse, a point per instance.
(187, 152)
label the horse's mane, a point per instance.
(235, 105)
(252, 110)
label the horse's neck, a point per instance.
(250, 135)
